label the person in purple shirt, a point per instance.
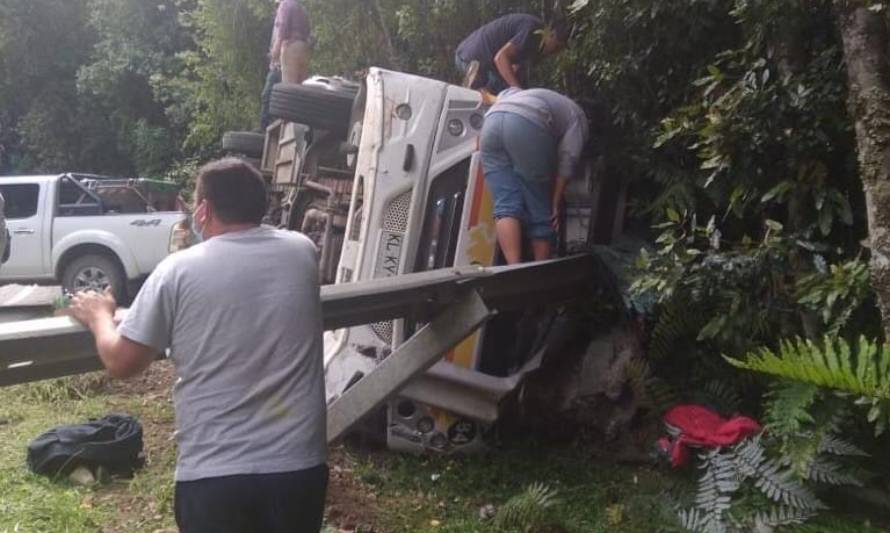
(494, 56)
(290, 51)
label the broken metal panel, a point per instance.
(411, 359)
(464, 391)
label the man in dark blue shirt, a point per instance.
(492, 56)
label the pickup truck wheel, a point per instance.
(247, 143)
(316, 107)
(95, 272)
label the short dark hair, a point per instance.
(562, 29)
(235, 189)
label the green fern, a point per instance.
(788, 407)
(528, 512)
(832, 365)
(677, 320)
(652, 392)
(722, 395)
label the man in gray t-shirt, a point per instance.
(241, 316)
(530, 146)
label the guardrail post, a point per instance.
(412, 358)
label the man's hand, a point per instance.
(559, 191)
(556, 217)
(91, 307)
(122, 357)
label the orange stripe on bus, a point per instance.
(478, 193)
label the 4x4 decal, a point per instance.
(144, 223)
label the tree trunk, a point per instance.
(864, 33)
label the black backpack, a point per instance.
(113, 442)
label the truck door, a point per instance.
(26, 225)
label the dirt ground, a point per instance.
(351, 506)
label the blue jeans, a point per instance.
(519, 160)
(487, 78)
(272, 78)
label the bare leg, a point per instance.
(295, 59)
(541, 249)
(510, 238)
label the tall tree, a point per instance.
(863, 28)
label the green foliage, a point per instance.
(528, 512)
(834, 364)
(742, 489)
(650, 391)
(788, 407)
(734, 296)
(835, 293)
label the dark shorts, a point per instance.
(291, 502)
(519, 160)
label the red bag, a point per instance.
(697, 426)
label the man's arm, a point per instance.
(122, 357)
(569, 154)
(280, 31)
(504, 60)
(559, 190)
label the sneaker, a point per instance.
(472, 72)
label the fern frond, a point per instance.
(749, 456)
(787, 409)
(778, 485)
(529, 511)
(836, 446)
(780, 516)
(722, 395)
(677, 319)
(653, 392)
(693, 520)
(832, 365)
(823, 470)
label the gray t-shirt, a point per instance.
(241, 314)
(556, 113)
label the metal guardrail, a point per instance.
(33, 350)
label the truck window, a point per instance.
(442, 217)
(21, 200)
(74, 201)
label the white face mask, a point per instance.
(199, 226)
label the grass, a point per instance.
(31, 503)
(445, 495)
(401, 493)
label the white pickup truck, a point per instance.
(90, 232)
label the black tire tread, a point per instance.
(247, 143)
(316, 107)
